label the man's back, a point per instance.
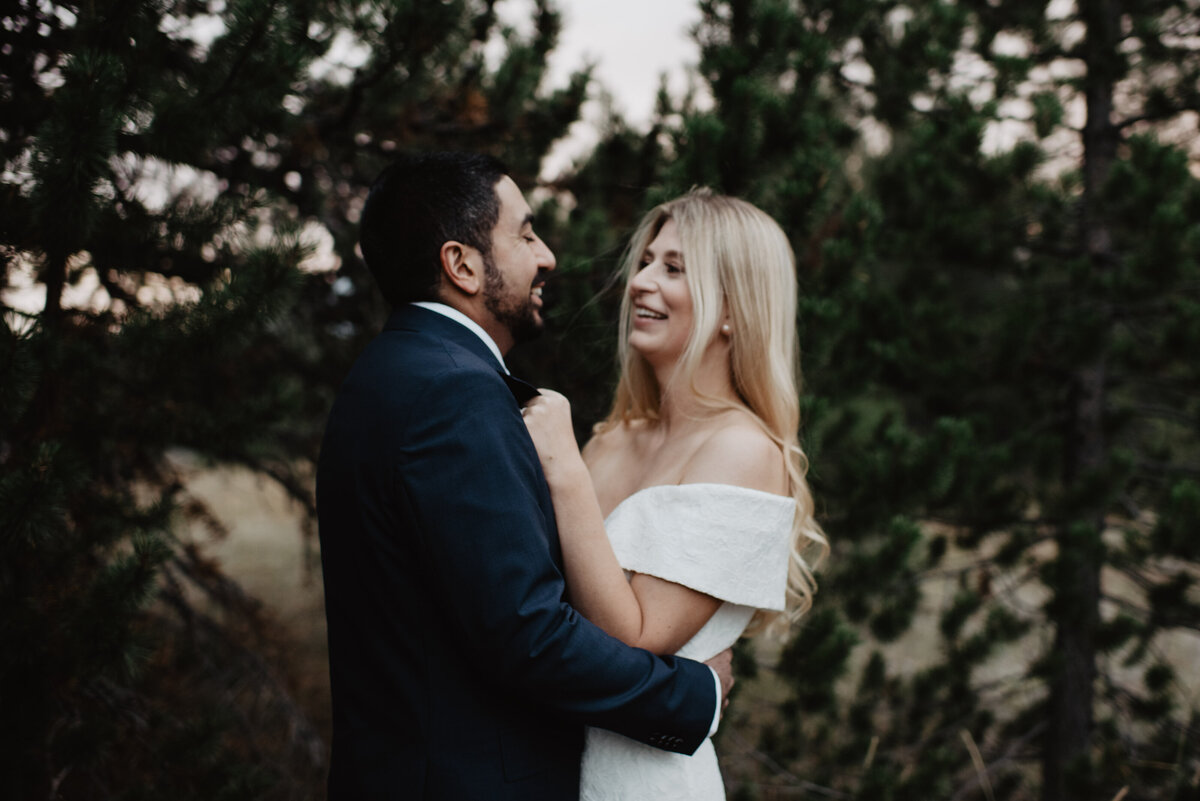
(414, 714)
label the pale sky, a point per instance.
(632, 42)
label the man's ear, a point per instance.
(462, 267)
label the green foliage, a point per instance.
(815, 658)
(1179, 520)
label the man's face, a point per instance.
(516, 270)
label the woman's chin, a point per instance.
(655, 356)
(642, 346)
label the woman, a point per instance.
(696, 472)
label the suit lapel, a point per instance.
(522, 391)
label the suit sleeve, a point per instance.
(469, 476)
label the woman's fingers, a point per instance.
(548, 418)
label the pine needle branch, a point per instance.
(779, 770)
(1011, 754)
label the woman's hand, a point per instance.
(548, 418)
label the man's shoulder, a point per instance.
(401, 370)
(416, 353)
(457, 339)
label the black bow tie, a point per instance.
(521, 391)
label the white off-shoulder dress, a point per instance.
(728, 542)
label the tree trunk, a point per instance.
(54, 276)
(1076, 608)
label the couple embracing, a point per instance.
(510, 618)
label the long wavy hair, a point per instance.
(738, 261)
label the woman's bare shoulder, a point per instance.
(740, 452)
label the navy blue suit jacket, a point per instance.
(458, 670)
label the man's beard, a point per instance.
(517, 314)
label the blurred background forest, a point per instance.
(995, 206)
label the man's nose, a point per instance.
(545, 256)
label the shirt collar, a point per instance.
(472, 326)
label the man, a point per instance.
(458, 670)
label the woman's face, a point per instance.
(662, 302)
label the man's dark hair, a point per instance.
(416, 205)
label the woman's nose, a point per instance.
(643, 280)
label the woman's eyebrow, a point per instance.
(667, 255)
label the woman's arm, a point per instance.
(647, 612)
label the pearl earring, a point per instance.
(726, 330)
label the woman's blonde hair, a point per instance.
(737, 261)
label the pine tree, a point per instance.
(178, 156)
(1048, 404)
